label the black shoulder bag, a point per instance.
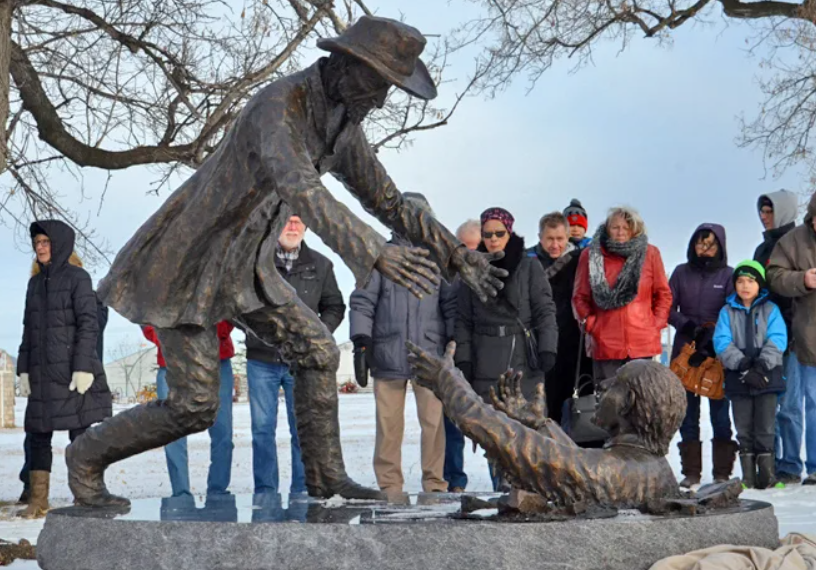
(580, 426)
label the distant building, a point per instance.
(129, 374)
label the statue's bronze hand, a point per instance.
(474, 267)
(512, 402)
(409, 267)
(428, 367)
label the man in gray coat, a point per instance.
(383, 317)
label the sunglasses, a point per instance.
(499, 234)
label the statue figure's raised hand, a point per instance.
(409, 267)
(476, 271)
(428, 367)
(512, 402)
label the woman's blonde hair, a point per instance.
(73, 260)
(632, 218)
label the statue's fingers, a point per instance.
(450, 351)
(431, 274)
(414, 284)
(497, 271)
(497, 402)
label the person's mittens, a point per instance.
(81, 381)
(689, 330)
(362, 359)
(704, 340)
(745, 364)
(696, 359)
(25, 385)
(546, 361)
(467, 370)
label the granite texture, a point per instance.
(626, 542)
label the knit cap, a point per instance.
(576, 214)
(752, 269)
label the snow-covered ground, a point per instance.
(145, 475)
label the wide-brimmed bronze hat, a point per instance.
(391, 48)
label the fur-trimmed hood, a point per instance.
(73, 260)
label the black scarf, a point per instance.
(626, 286)
(705, 264)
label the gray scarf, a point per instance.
(626, 286)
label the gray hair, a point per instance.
(552, 220)
(467, 227)
(632, 217)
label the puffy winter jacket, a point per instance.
(699, 293)
(489, 337)
(391, 315)
(758, 333)
(60, 331)
(632, 331)
(226, 349)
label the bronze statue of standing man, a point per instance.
(208, 253)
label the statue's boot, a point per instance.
(193, 378)
(319, 434)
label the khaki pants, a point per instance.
(390, 399)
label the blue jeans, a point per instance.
(264, 381)
(720, 419)
(218, 479)
(454, 456)
(807, 378)
(789, 421)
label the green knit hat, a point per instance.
(752, 269)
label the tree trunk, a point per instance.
(5, 78)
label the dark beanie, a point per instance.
(576, 214)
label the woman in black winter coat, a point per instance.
(518, 329)
(58, 365)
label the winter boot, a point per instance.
(38, 502)
(691, 459)
(810, 479)
(765, 465)
(749, 470)
(725, 453)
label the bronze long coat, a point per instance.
(195, 261)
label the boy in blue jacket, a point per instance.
(750, 340)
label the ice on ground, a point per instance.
(145, 475)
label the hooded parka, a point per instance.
(60, 331)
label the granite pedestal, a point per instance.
(270, 532)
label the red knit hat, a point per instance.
(576, 214)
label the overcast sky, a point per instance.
(654, 128)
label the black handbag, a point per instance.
(578, 422)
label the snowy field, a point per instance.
(145, 475)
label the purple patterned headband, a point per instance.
(500, 214)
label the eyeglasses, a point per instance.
(499, 234)
(39, 242)
(766, 211)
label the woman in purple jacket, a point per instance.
(700, 288)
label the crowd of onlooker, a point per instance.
(573, 306)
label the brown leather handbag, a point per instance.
(706, 380)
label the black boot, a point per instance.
(691, 459)
(25, 496)
(724, 452)
(765, 466)
(749, 470)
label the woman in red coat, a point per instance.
(622, 296)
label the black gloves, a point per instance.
(467, 370)
(546, 361)
(696, 359)
(362, 359)
(704, 340)
(756, 378)
(689, 330)
(745, 364)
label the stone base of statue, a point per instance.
(269, 532)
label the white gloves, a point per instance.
(81, 381)
(25, 386)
